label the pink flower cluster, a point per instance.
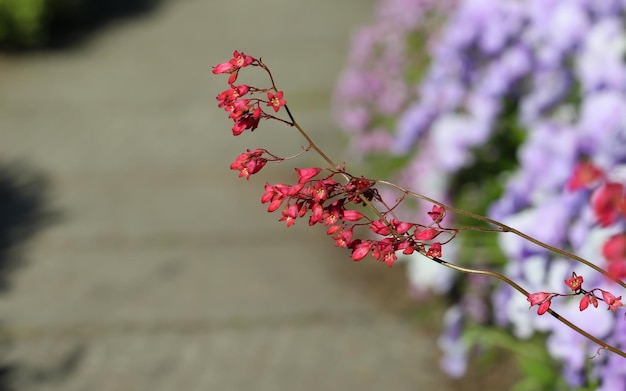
(575, 283)
(329, 202)
(337, 204)
(245, 112)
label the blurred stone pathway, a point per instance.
(165, 272)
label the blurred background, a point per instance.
(132, 258)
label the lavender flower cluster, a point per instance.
(562, 64)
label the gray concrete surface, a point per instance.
(165, 272)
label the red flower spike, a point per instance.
(575, 282)
(437, 213)
(585, 175)
(612, 301)
(306, 174)
(606, 202)
(276, 100)
(434, 250)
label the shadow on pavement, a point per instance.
(73, 22)
(24, 211)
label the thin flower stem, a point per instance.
(503, 228)
(518, 288)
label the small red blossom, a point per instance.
(434, 250)
(306, 174)
(538, 298)
(401, 227)
(588, 298)
(247, 120)
(276, 100)
(225, 67)
(360, 249)
(427, 234)
(543, 299)
(437, 213)
(575, 282)
(612, 301)
(352, 215)
(249, 163)
(381, 227)
(614, 251)
(343, 238)
(239, 60)
(585, 175)
(290, 213)
(606, 202)
(543, 307)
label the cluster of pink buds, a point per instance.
(239, 101)
(575, 283)
(333, 203)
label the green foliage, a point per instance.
(534, 363)
(23, 23)
(476, 186)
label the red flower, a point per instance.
(614, 250)
(612, 301)
(241, 60)
(249, 163)
(541, 298)
(306, 174)
(588, 298)
(290, 213)
(380, 227)
(360, 249)
(585, 175)
(437, 213)
(343, 238)
(275, 101)
(575, 282)
(352, 215)
(434, 251)
(427, 234)
(401, 227)
(543, 307)
(238, 61)
(225, 67)
(606, 202)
